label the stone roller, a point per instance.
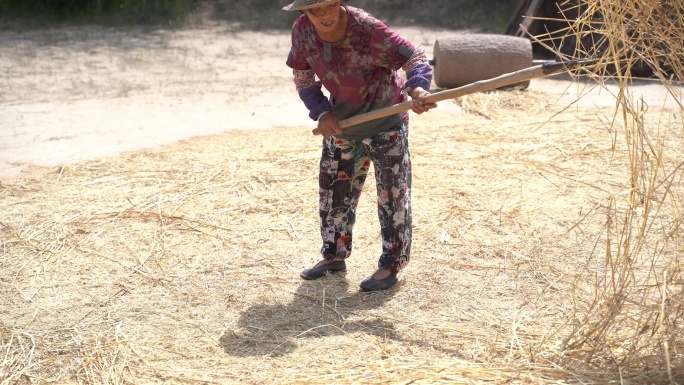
(463, 59)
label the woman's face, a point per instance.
(325, 18)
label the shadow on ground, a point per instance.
(318, 309)
(323, 308)
(484, 16)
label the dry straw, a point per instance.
(629, 318)
(548, 249)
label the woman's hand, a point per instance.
(419, 106)
(327, 124)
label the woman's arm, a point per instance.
(311, 93)
(418, 71)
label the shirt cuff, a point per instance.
(315, 102)
(419, 76)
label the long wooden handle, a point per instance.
(534, 72)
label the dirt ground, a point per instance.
(75, 94)
(158, 201)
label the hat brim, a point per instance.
(294, 7)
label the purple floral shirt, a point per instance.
(360, 71)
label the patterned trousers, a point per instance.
(343, 170)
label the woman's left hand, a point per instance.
(418, 103)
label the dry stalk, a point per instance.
(630, 324)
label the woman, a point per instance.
(357, 58)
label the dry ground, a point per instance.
(179, 264)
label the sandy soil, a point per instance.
(75, 94)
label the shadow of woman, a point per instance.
(319, 309)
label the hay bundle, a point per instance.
(632, 37)
(630, 295)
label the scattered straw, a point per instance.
(548, 249)
(186, 269)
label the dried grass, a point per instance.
(631, 318)
(547, 249)
(181, 265)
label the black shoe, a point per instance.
(372, 284)
(322, 269)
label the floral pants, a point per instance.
(343, 170)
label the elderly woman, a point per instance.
(357, 58)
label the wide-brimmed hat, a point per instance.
(300, 5)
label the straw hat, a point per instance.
(299, 5)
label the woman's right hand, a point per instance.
(327, 124)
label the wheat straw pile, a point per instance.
(547, 249)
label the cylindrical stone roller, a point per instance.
(467, 58)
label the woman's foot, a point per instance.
(323, 268)
(382, 279)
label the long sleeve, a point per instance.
(418, 70)
(311, 93)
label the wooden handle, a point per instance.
(519, 76)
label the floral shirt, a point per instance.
(360, 71)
